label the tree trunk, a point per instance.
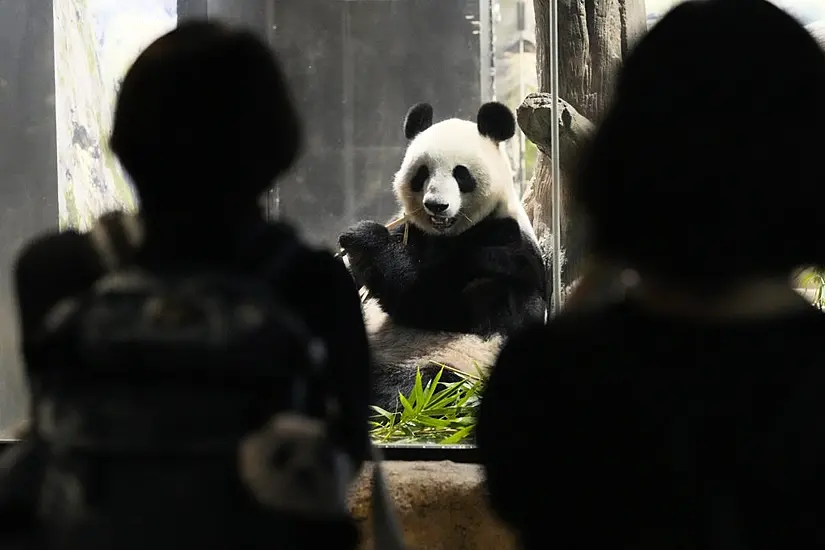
(594, 37)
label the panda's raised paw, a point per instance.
(364, 236)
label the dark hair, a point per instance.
(708, 165)
(204, 115)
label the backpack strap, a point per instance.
(116, 237)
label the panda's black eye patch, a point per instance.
(419, 178)
(466, 182)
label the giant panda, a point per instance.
(464, 271)
(817, 29)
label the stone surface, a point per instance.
(440, 505)
(95, 41)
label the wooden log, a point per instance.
(594, 37)
(534, 117)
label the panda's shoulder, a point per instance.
(497, 232)
(502, 242)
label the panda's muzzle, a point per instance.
(436, 211)
(435, 208)
(440, 222)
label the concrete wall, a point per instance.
(28, 166)
(355, 67)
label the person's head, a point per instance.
(204, 118)
(708, 167)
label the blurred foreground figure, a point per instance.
(187, 392)
(687, 414)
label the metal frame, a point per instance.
(272, 198)
(487, 51)
(413, 453)
(554, 154)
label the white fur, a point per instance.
(442, 146)
(397, 346)
(818, 30)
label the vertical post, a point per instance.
(486, 39)
(521, 25)
(272, 198)
(349, 83)
(554, 153)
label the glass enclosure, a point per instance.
(355, 66)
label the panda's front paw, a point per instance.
(364, 238)
(363, 244)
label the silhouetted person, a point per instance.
(688, 414)
(203, 126)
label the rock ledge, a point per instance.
(440, 505)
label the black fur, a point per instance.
(418, 119)
(488, 280)
(496, 121)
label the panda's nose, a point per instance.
(435, 207)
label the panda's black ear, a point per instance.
(418, 119)
(496, 122)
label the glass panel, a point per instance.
(356, 68)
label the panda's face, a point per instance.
(451, 178)
(440, 189)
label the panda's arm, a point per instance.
(391, 273)
(509, 290)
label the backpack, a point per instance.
(145, 391)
